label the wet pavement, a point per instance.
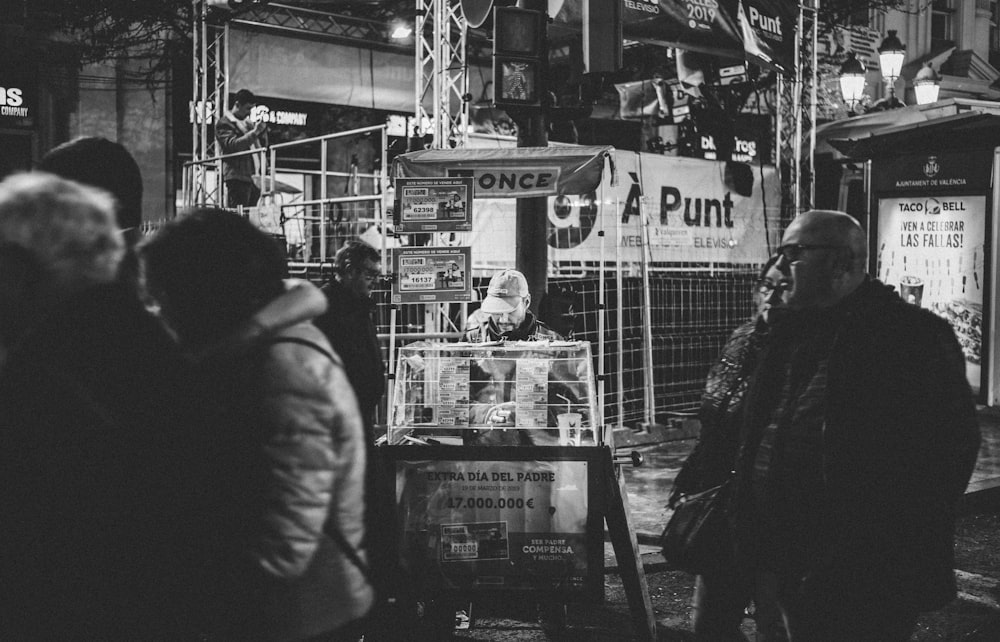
(974, 617)
(649, 484)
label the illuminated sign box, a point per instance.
(17, 109)
(501, 520)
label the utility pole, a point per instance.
(531, 252)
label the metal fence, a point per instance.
(664, 322)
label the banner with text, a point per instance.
(495, 524)
(698, 211)
(768, 28)
(931, 248)
(709, 26)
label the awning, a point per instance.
(963, 131)
(864, 125)
(516, 172)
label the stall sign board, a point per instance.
(479, 520)
(433, 205)
(932, 250)
(431, 274)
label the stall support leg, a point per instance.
(626, 546)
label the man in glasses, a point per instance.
(859, 437)
(349, 325)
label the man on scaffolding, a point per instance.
(235, 133)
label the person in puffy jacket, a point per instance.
(88, 426)
(282, 453)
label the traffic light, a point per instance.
(520, 57)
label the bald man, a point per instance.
(860, 437)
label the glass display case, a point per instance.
(531, 393)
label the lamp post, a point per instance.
(852, 82)
(926, 85)
(890, 59)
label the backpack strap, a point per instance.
(331, 528)
(270, 341)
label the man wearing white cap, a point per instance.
(504, 313)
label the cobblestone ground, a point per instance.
(973, 617)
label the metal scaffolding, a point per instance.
(795, 127)
(209, 98)
(441, 73)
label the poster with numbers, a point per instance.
(433, 205)
(431, 274)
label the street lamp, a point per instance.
(400, 30)
(926, 85)
(852, 81)
(890, 59)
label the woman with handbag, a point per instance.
(723, 590)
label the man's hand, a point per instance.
(259, 128)
(501, 414)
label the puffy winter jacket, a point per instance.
(290, 468)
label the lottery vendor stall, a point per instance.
(500, 464)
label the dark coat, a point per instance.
(899, 445)
(348, 326)
(531, 329)
(721, 413)
(90, 480)
(232, 139)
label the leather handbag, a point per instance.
(698, 537)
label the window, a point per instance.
(942, 24)
(859, 18)
(994, 31)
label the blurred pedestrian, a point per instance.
(859, 438)
(235, 132)
(284, 503)
(349, 325)
(86, 396)
(722, 595)
(99, 162)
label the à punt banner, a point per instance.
(517, 525)
(676, 209)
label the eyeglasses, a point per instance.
(794, 251)
(371, 273)
(765, 287)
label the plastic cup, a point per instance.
(911, 289)
(569, 428)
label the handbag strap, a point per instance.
(331, 527)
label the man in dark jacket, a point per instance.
(349, 326)
(860, 437)
(235, 133)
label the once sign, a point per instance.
(513, 182)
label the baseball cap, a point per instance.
(505, 292)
